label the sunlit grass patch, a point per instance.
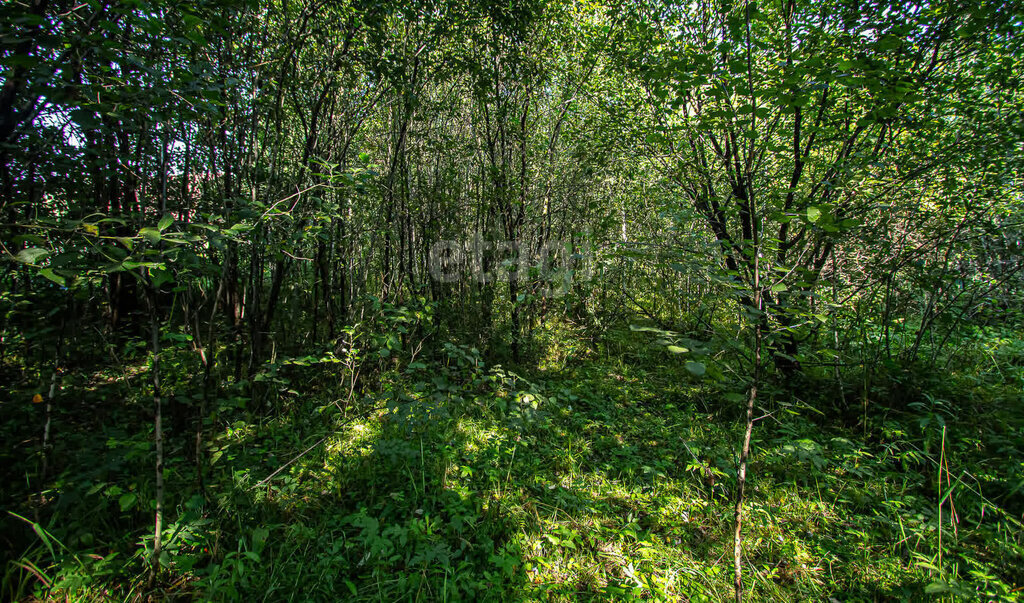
(355, 439)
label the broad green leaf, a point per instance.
(165, 222)
(677, 350)
(696, 369)
(51, 275)
(127, 501)
(151, 235)
(32, 255)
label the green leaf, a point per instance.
(49, 274)
(779, 287)
(936, 587)
(41, 533)
(697, 369)
(641, 329)
(127, 501)
(677, 350)
(31, 255)
(165, 222)
(151, 235)
(159, 276)
(813, 213)
(259, 537)
(237, 228)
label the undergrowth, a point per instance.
(606, 472)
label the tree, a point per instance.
(786, 139)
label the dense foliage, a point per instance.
(453, 300)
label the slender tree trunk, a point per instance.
(47, 446)
(46, 438)
(741, 475)
(159, 441)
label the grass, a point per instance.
(600, 475)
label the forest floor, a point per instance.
(603, 472)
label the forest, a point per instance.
(512, 300)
